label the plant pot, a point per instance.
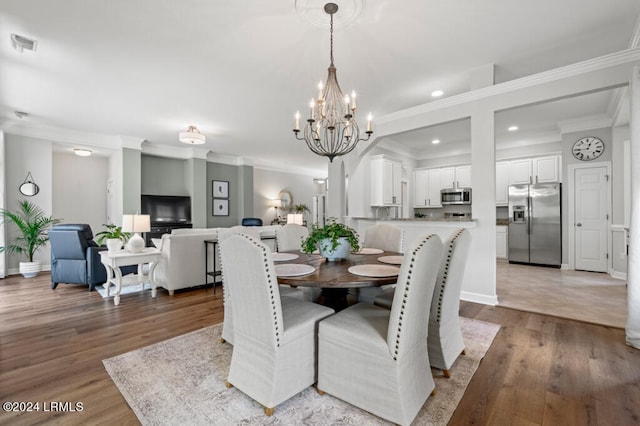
(340, 252)
(114, 244)
(30, 269)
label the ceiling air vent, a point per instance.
(21, 43)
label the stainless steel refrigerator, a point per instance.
(535, 228)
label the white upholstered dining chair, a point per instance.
(383, 236)
(375, 358)
(290, 237)
(253, 233)
(274, 352)
(445, 341)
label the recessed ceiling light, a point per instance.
(81, 152)
(437, 93)
(512, 128)
(435, 141)
(20, 43)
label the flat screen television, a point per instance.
(167, 208)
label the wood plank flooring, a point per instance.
(540, 370)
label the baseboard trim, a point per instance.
(479, 298)
(618, 275)
(16, 271)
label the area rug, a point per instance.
(181, 381)
(126, 289)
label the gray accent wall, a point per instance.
(164, 176)
(131, 180)
(269, 183)
(240, 180)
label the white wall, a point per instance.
(267, 184)
(79, 185)
(24, 155)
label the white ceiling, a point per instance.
(240, 69)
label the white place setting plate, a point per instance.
(293, 269)
(279, 257)
(369, 250)
(375, 271)
(392, 260)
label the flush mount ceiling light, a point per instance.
(82, 152)
(435, 141)
(192, 136)
(331, 128)
(20, 43)
(437, 93)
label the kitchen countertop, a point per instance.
(418, 219)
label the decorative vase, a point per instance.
(340, 252)
(30, 269)
(114, 244)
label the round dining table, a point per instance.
(334, 278)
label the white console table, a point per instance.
(114, 260)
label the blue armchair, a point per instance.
(75, 257)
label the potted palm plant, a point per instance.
(334, 240)
(113, 236)
(33, 225)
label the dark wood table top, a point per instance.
(336, 274)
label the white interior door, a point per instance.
(591, 218)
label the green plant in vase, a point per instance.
(33, 225)
(113, 236)
(334, 240)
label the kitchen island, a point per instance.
(414, 228)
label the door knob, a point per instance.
(578, 224)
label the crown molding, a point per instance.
(584, 123)
(283, 168)
(595, 64)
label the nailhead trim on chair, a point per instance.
(446, 273)
(265, 256)
(405, 295)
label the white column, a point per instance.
(2, 202)
(633, 276)
(481, 265)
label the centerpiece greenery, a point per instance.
(327, 238)
(33, 225)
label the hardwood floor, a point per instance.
(540, 370)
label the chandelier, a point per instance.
(331, 129)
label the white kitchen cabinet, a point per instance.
(502, 183)
(520, 171)
(385, 181)
(459, 176)
(427, 185)
(501, 242)
(421, 188)
(435, 185)
(534, 170)
(545, 169)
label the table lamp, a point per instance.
(275, 203)
(136, 223)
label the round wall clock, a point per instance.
(588, 148)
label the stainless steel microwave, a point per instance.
(455, 196)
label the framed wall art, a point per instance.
(220, 189)
(221, 207)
